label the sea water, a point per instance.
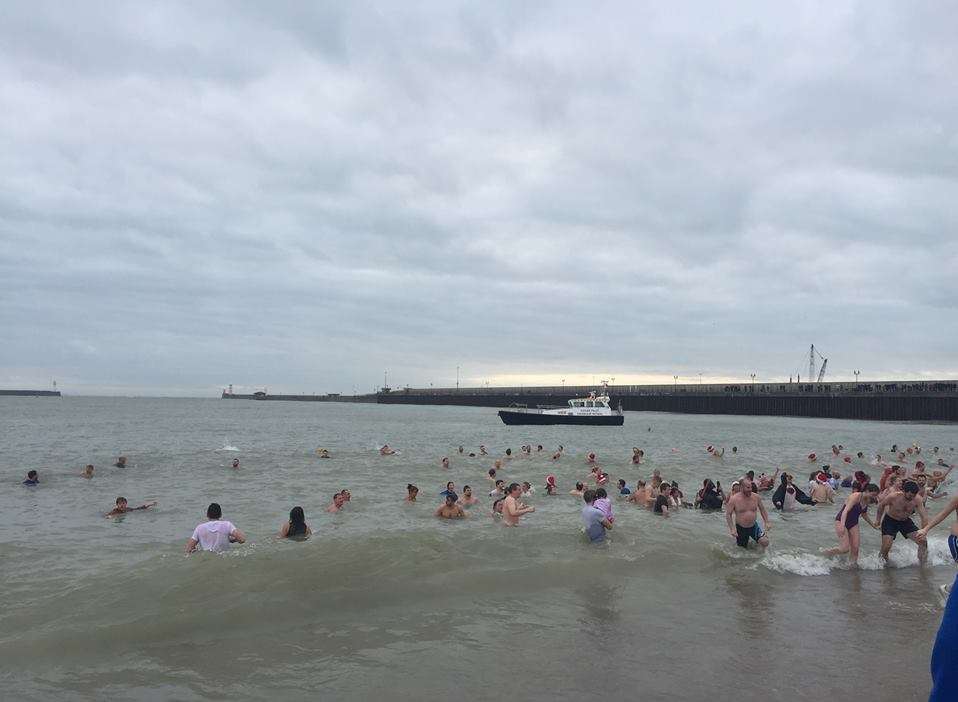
(386, 600)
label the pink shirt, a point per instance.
(604, 505)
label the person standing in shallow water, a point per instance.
(512, 509)
(215, 534)
(296, 527)
(741, 515)
(593, 519)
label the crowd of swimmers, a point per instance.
(900, 492)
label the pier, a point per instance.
(30, 393)
(907, 401)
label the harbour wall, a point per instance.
(909, 401)
(300, 398)
(30, 393)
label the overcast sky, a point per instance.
(304, 195)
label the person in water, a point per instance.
(593, 519)
(386, 451)
(822, 492)
(235, 463)
(122, 507)
(623, 487)
(788, 495)
(551, 487)
(296, 527)
(450, 509)
(87, 472)
(411, 492)
(337, 504)
(467, 500)
(527, 488)
(323, 453)
(741, 515)
(215, 534)
(444, 463)
(898, 506)
(450, 489)
(846, 522)
(579, 490)
(603, 504)
(708, 497)
(120, 462)
(512, 508)
(662, 500)
(499, 490)
(33, 478)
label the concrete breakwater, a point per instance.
(30, 393)
(934, 401)
(329, 397)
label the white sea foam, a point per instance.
(903, 555)
(227, 446)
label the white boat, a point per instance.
(593, 410)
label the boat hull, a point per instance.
(510, 417)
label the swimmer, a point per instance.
(482, 450)
(638, 497)
(296, 527)
(347, 495)
(590, 458)
(636, 455)
(951, 507)
(215, 534)
(461, 450)
(662, 501)
(33, 478)
(579, 490)
(497, 506)
(386, 451)
(120, 462)
(556, 456)
(323, 453)
(508, 454)
(708, 497)
(735, 449)
(527, 488)
(492, 474)
(449, 509)
(765, 482)
(603, 504)
(886, 475)
(444, 463)
(551, 488)
(235, 463)
(539, 448)
(499, 490)
(822, 492)
(623, 487)
(467, 500)
(512, 509)
(594, 519)
(450, 489)
(741, 515)
(337, 504)
(87, 472)
(411, 492)
(122, 508)
(898, 507)
(498, 464)
(846, 522)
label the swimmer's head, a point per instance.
(514, 489)
(214, 511)
(500, 483)
(910, 486)
(579, 486)
(121, 502)
(621, 483)
(411, 489)
(492, 472)
(450, 486)
(751, 475)
(451, 498)
(467, 491)
(508, 451)
(297, 516)
(526, 485)
(235, 462)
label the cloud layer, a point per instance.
(305, 195)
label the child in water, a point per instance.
(603, 504)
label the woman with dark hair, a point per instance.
(708, 497)
(846, 521)
(296, 527)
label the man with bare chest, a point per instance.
(741, 515)
(897, 507)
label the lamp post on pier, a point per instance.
(856, 376)
(675, 378)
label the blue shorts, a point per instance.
(953, 546)
(746, 533)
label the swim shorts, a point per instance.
(746, 533)
(953, 546)
(891, 527)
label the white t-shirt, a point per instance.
(214, 535)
